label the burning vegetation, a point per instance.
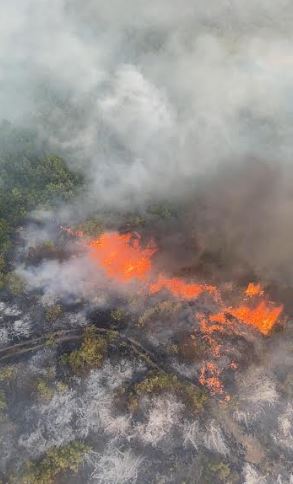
(146, 243)
(124, 259)
(148, 353)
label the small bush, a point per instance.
(3, 403)
(117, 315)
(91, 354)
(164, 309)
(193, 397)
(7, 374)
(2, 280)
(221, 470)
(53, 313)
(2, 263)
(92, 227)
(55, 462)
(15, 283)
(44, 391)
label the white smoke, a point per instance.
(144, 98)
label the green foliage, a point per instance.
(193, 397)
(2, 264)
(3, 403)
(48, 245)
(221, 470)
(91, 354)
(2, 280)
(61, 387)
(53, 313)
(92, 227)
(7, 374)
(57, 461)
(164, 309)
(117, 315)
(135, 221)
(162, 211)
(43, 390)
(15, 283)
(51, 340)
(28, 178)
(217, 471)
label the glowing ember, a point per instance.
(122, 257)
(254, 290)
(209, 376)
(179, 288)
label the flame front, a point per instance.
(254, 290)
(262, 317)
(122, 257)
(178, 287)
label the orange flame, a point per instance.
(179, 288)
(254, 290)
(122, 257)
(210, 377)
(262, 317)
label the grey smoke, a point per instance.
(150, 100)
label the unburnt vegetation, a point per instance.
(159, 383)
(30, 177)
(55, 463)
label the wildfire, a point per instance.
(262, 317)
(122, 257)
(180, 288)
(210, 377)
(253, 290)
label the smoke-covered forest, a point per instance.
(146, 242)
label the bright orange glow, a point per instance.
(122, 257)
(254, 290)
(262, 317)
(210, 377)
(180, 288)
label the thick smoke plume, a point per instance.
(154, 101)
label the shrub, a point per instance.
(221, 470)
(193, 397)
(164, 309)
(44, 391)
(7, 374)
(92, 227)
(91, 354)
(54, 463)
(15, 283)
(3, 403)
(54, 312)
(117, 315)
